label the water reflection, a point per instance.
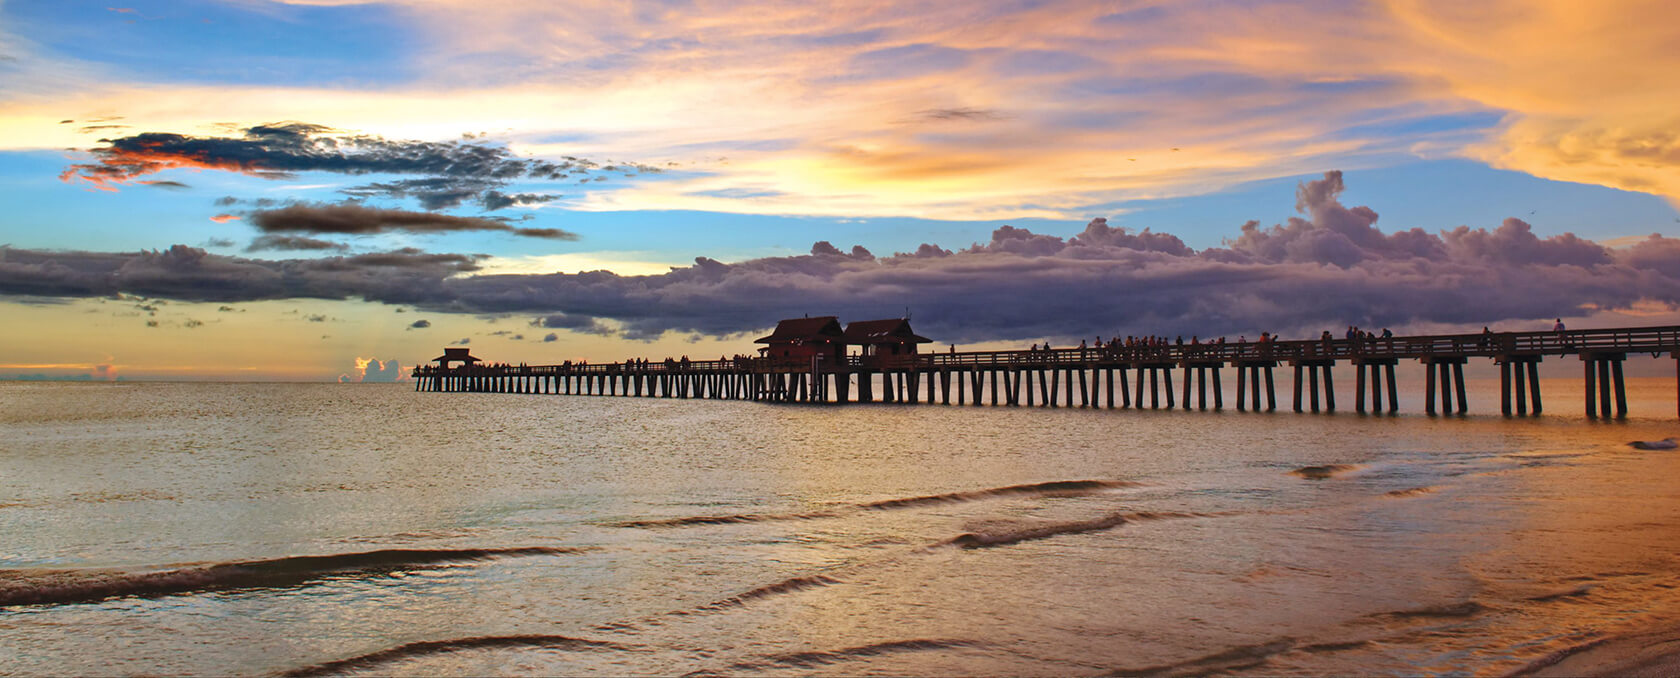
(1115, 541)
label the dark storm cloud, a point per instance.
(420, 324)
(449, 173)
(294, 243)
(354, 219)
(582, 324)
(1326, 268)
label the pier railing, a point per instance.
(1491, 345)
(812, 380)
(1656, 340)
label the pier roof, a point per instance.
(888, 331)
(451, 355)
(823, 328)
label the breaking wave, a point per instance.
(1002, 537)
(1240, 658)
(1409, 492)
(1571, 593)
(1234, 659)
(1542, 663)
(1057, 488)
(438, 646)
(1468, 608)
(1322, 472)
(60, 587)
(1335, 646)
(827, 657)
(1063, 488)
(724, 520)
(778, 588)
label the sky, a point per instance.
(322, 190)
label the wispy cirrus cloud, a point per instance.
(1008, 110)
(1550, 88)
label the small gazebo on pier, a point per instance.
(455, 355)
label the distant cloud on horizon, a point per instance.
(372, 370)
(1328, 267)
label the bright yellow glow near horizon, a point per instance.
(306, 340)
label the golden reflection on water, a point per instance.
(1281, 543)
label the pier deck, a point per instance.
(1110, 376)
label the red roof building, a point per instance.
(801, 338)
(884, 337)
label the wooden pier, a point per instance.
(1108, 377)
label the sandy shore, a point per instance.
(1654, 653)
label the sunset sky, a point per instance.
(256, 189)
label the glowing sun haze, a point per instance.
(258, 189)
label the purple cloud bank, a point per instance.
(1327, 268)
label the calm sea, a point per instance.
(311, 529)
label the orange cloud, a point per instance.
(1589, 88)
(124, 164)
(957, 111)
(224, 218)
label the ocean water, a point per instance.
(342, 529)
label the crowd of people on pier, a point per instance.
(1133, 347)
(1353, 341)
(739, 361)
